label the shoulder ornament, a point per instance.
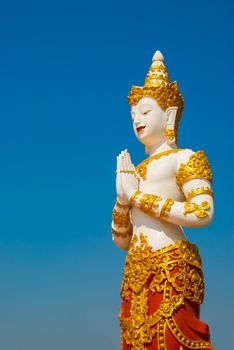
(196, 167)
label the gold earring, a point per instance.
(170, 135)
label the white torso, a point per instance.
(161, 181)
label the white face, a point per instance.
(149, 121)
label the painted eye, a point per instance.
(146, 112)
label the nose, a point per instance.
(138, 119)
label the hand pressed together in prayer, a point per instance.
(126, 177)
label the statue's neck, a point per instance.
(163, 146)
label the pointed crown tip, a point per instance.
(158, 56)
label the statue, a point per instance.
(163, 284)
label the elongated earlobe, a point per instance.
(169, 130)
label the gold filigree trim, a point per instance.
(122, 234)
(141, 168)
(167, 95)
(166, 208)
(157, 68)
(149, 202)
(169, 133)
(120, 219)
(140, 328)
(142, 261)
(134, 197)
(183, 339)
(176, 271)
(161, 335)
(198, 209)
(137, 330)
(197, 167)
(197, 191)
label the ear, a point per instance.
(171, 117)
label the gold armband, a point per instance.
(200, 190)
(166, 208)
(120, 219)
(198, 210)
(122, 234)
(149, 202)
(196, 168)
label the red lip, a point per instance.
(140, 128)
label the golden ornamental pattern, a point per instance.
(197, 167)
(122, 234)
(197, 191)
(166, 208)
(141, 168)
(148, 203)
(183, 339)
(175, 271)
(169, 133)
(167, 95)
(134, 198)
(142, 261)
(200, 210)
(120, 219)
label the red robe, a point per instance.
(161, 295)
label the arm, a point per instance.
(196, 211)
(194, 179)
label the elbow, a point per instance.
(200, 222)
(200, 214)
(206, 220)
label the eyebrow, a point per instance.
(146, 105)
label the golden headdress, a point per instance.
(158, 86)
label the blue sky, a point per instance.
(66, 68)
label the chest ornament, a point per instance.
(141, 168)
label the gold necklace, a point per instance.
(141, 168)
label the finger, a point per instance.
(125, 161)
(122, 161)
(128, 159)
(131, 166)
(118, 163)
(122, 167)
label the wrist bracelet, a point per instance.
(149, 202)
(122, 234)
(120, 205)
(120, 219)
